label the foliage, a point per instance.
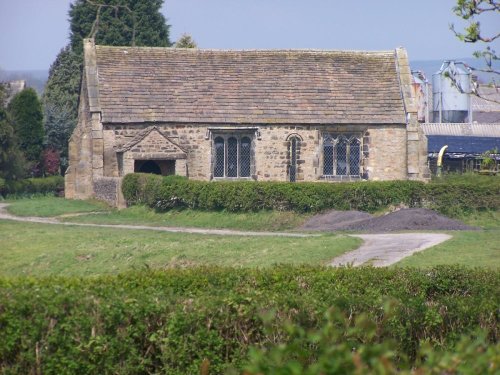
(43, 185)
(164, 193)
(60, 100)
(185, 41)
(51, 162)
(3, 95)
(347, 345)
(12, 161)
(26, 116)
(172, 321)
(118, 23)
(487, 160)
(470, 11)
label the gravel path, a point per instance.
(378, 250)
(225, 232)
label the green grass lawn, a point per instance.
(23, 252)
(253, 221)
(470, 249)
(44, 249)
(467, 248)
(140, 215)
(52, 206)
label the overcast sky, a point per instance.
(33, 31)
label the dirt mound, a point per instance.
(335, 220)
(404, 219)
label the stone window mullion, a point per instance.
(238, 157)
(348, 157)
(334, 156)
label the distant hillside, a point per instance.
(34, 78)
(429, 67)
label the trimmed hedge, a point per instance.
(170, 321)
(167, 192)
(28, 186)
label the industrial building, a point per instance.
(460, 118)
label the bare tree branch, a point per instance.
(468, 10)
(95, 25)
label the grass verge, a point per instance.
(50, 206)
(469, 249)
(44, 249)
(254, 221)
(141, 215)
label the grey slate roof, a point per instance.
(145, 84)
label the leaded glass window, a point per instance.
(232, 156)
(219, 157)
(246, 144)
(341, 155)
(293, 145)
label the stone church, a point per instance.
(265, 115)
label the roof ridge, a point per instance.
(264, 50)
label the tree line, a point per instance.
(34, 132)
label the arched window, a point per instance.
(341, 155)
(293, 150)
(232, 156)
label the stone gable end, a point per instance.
(156, 145)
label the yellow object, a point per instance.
(440, 156)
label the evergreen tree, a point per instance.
(12, 163)
(110, 22)
(60, 101)
(26, 117)
(185, 41)
(118, 23)
(3, 95)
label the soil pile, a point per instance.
(335, 220)
(404, 219)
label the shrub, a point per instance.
(30, 186)
(51, 162)
(170, 321)
(164, 193)
(26, 114)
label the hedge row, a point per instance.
(170, 321)
(28, 186)
(168, 192)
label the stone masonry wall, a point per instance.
(78, 177)
(384, 149)
(106, 189)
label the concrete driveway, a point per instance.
(382, 250)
